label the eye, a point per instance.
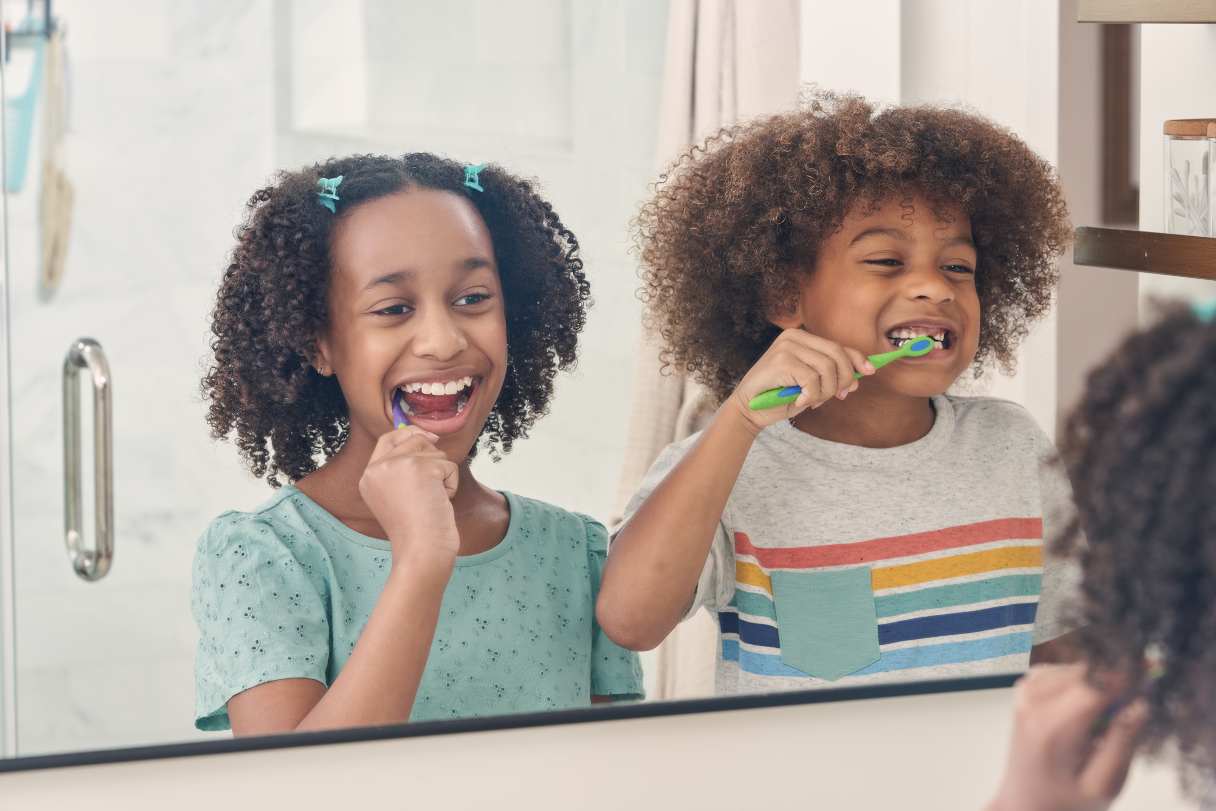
(470, 299)
(962, 269)
(393, 310)
(885, 263)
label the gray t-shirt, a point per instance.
(836, 564)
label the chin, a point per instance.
(925, 386)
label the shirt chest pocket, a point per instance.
(826, 621)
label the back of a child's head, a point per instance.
(1140, 450)
(272, 305)
(735, 224)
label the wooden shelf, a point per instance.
(1146, 251)
(1146, 11)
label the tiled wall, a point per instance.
(177, 115)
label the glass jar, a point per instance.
(1190, 185)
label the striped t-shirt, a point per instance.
(836, 564)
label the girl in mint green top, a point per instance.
(388, 316)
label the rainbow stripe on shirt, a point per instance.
(951, 596)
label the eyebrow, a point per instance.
(897, 233)
(398, 276)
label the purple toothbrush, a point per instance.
(399, 418)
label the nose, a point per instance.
(926, 282)
(438, 336)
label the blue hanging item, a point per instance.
(1205, 311)
(27, 41)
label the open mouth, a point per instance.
(435, 401)
(942, 338)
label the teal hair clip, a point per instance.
(470, 176)
(1205, 311)
(328, 195)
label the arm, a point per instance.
(657, 557)
(380, 680)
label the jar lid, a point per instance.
(1192, 127)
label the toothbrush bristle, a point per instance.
(399, 418)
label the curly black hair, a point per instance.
(271, 307)
(736, 222)
(1140, 450)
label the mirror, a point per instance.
(125, 182)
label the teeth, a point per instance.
(904, 334)
(450, 387)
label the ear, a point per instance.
(322, 360)
(787, 315)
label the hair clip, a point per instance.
(328, 195)
(470, 175)
(1205, 311)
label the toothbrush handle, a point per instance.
(774, 397)
(882, 359)
(779, 397)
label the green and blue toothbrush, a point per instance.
(913, 348)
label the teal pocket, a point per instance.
(826, 621)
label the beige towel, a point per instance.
(57, 194)
(726, 60)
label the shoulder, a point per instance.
(667, 459)
(272, 527)
(568, 528)
(999, 418)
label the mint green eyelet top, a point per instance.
(284, 592)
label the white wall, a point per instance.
(852, 47)
(1177, 63)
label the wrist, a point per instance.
(734, 417)
(429, 566)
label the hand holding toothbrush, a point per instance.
(913, 348)
(818, 368)
(408, 485)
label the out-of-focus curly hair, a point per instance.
(736, 223)
(1140, 450)
(271, 307)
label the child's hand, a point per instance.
(823, 368)
(408, 485)
(1055, 761)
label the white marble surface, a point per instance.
(171, 128)
(173, 125)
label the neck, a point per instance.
(339, 478)
(870, 419)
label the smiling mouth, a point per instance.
(439, 400)
(942, 338)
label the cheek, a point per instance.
(491, 338)
(844, 313)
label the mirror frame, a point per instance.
(601, 712)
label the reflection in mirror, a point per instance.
(176, 114)
(837, 557)
(892, 535)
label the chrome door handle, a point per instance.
(89, 564)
